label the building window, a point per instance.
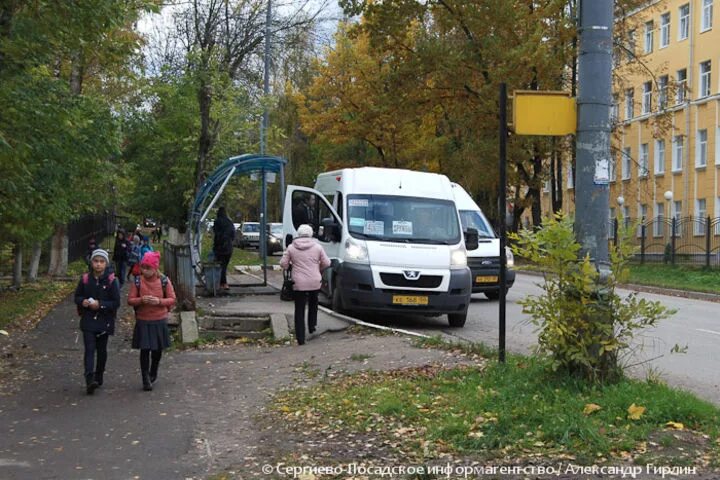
(626, 163)
(700, 216)
(647, 98)
(629, 103)
(662, 91)
(570, 178)
(644, 159)
(642, 216)
(665, 30)
(648, 47)
(659, 220)
(626, 216)
(677, 211)
(615, 110)
(681, 85)
(701, 150)
(705, 79)
(684, 22)
(717, 214)
(717, 156)
(613, 168)
(659, 156)
(677, 153)
(706, 16)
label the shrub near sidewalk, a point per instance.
(585, 327)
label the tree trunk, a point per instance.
(536, 210)
(205, 139)
(59, 252)
(17, 266)
(35, 262)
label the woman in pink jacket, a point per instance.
(308, 260)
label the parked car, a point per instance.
(149, 222)
(274, 238)
(248, 235)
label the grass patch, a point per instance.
(696, 279)
(24, 307)
(519, 408)
(240, 256)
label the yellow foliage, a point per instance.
(591, 408)
(635, 412)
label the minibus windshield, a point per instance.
(402, 219)
(475, 219)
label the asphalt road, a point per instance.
(696, 325)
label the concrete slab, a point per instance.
(279, 323)
(188, 327)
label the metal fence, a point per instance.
(679, 240)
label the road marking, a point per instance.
(707, 331)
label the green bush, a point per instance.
(585, 326)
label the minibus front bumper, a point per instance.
(358, 293)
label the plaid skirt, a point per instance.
(151, 334)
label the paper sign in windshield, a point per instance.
(358, 202)
(374, 227)
(402, 228)
(357, 222)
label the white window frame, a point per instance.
(701, 148)
(677, 215)
(664, 30)
(700, 214)
(629, 103)
(642, 218)
(662, 91)
(658, 227)
(644, 160)
(681, 94)
(706, 15)
(683, 21)
(631, 45)
(570, 184)
(626, 215)
(659, 156)
(705, 79)
(613, 168)
(717, 214)
(626, 163)
(647, 98)
(649, 36)
(678, 147)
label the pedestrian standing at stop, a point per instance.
(97, 297)
(153, 297)
(120, 255)
(308, 260)
(223, 236)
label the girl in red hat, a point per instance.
(153, 297)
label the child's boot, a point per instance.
(154, 366)
(90, 384)
(147, 384)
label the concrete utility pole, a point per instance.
(593, 130)
(266, 79)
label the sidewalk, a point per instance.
(204, 416)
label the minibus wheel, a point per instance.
(457, 320)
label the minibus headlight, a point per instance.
(356, 251)
(509, 257)
(458, 258)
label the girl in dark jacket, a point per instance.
(97, 297)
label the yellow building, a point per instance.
(666, 112)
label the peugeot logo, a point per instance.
(487, 262)
(411, 274)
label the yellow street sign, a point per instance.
(543, 113)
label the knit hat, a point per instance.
(100, 253)
(305, 230)
(151, 259)
(136, 238)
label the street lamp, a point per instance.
(668, 197)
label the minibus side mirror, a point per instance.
(471, 239)
(330, 230)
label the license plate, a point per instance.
(486, 279)
(409, 300)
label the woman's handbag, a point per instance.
(286, 293)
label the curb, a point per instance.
(255, 268)
(670, 292)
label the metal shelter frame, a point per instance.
(213, 188)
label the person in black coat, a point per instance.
(120, 255)
(224, 234)
(97, 297)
